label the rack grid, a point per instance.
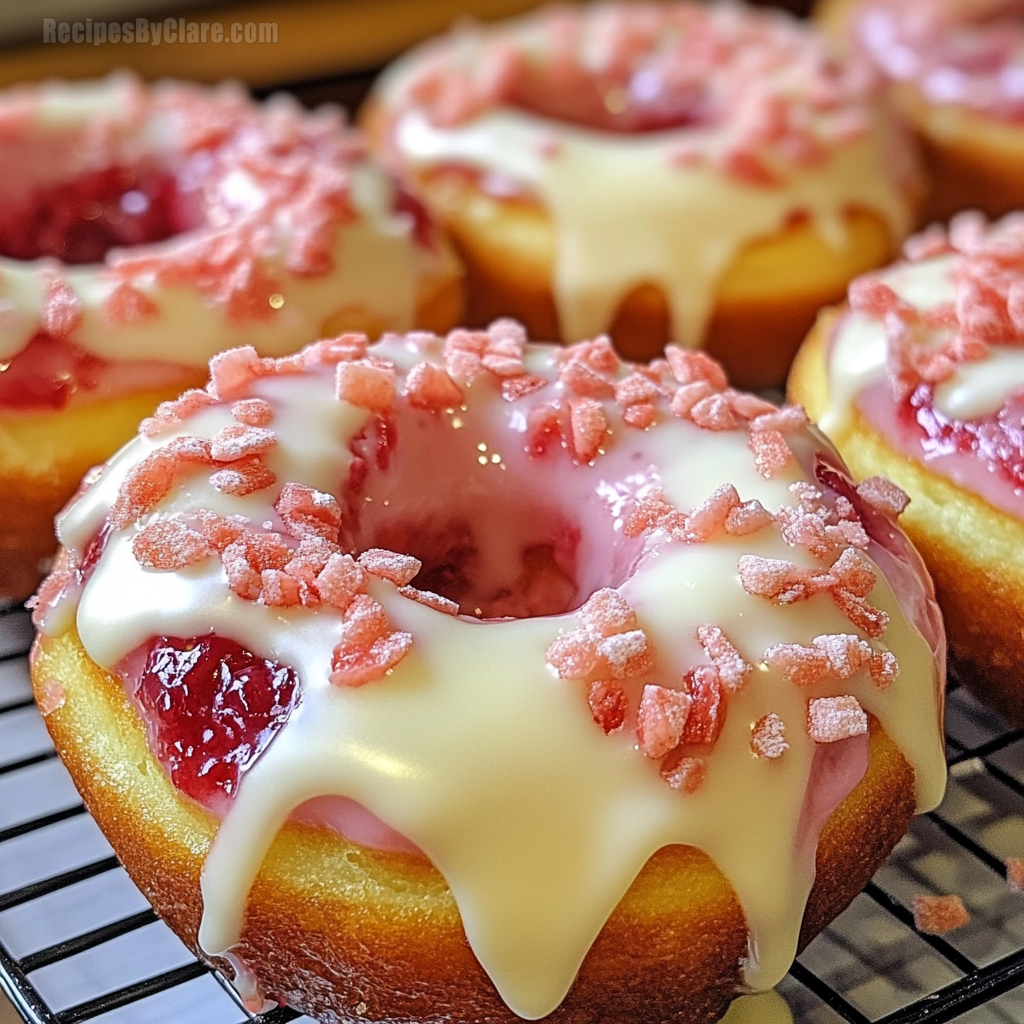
(79, 943)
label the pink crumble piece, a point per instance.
(747, 518)
(310, 558)
(685, 775)
(390, 565)
(430, 599)
(733, 671)
(707, 706)
(1015, 874)
(514, 388)
(800, 665)
(608, 704)
(343, 349)
(253, 412)
(279, 590)
(780, 581)
(647, 514)
(771, 453)
(688, 395)
(714, 413)
(747, 405)
(143, 488)
(62, 312)
(544, 429)
(430, 387)
(366, 384)
(266, 551)
(232, 371)
(247, 476)
(368, 649)
(636, 387)
(581, 379)
(597, 353)
(710, 516)
(169, 544)
(936, 915)
(50, 697)
(339, 580)
(573, 655)
(172, 414)
(830, 719)
(883, 495)
(127, 305)
(788, 419)
(768, 737)
(872, 621)
(689, 366)
(871, 295)
(503, 365)
(238, 442)
(625, 655)
(307, 512)
(220, 531)
(641, 415)
(661, 719)
(589, 427)
(854, 572)
(607, 612)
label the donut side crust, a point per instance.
(347, 933)
(974, 551)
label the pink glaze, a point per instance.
(970, 54)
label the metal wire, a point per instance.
(870, 959)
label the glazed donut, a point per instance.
(505, 676)
(920, 378)
(671, 171)
(954, 70)
(146, 229)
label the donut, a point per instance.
(919, 377)
(952, 68)
(703, 174)
(146, 229)
(472, 679)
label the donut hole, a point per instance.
(502, 534)
(80, 218)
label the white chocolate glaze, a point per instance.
(375, 266)
(626, 211)
(471, 747)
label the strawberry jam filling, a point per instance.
(80, 221)
(211, 708)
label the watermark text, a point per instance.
(170, 31)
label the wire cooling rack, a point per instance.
(78, 941)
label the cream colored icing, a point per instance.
(626, 213)
(377, 266)
(857, 360)
(471, 747)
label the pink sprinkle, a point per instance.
(514, 388)
(169, 544)
(266, 551)
(589, 427)
(626, 655)
(338, 581)
(661, 719)
(883, 495)
(872, 296)
(709, 517)
(713, 413)
(872, 621)
(800, 665)
(239, 442)
(279, 590)
(936, 915)
(50, 697)
(647, 514)
(768, 737)
(343, 349)
(748, 406)
(707, 706)
(171, 414)
(579, 378)
(127, 305)
(607, 612)
(1015, 874)
(854, 572)
(61, 312)
(688, 395)
(598, 354)
(218, 530)
(366, 384)
(733, 671)
(429, 387)
(364, 621)
(143, 488)
(771, 453)
(641, 415)
(232, 371)
(390, 565)
(430, 599)
(747, 518)
(358, 667)
(190, 449)
(788, 419)
(608, 704)
(307, 512)
(503, 365)
(243, 477)
(830, 719)
(637, 387)
(690, 366)
(686, 775)
(253, 412)
(573, 655)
